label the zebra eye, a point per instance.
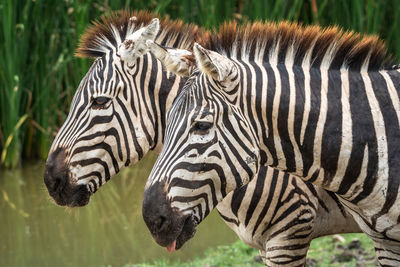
(202, 126)
(100, 102)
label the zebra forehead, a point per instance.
(110, 31)
(271, 41)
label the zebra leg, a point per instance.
(288, 236)
(388, 254)
(294, 255)
(288, 252)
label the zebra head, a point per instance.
(103, 131)
(209, 149)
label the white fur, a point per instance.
(175, 60)
(135, 43)
(221, 64)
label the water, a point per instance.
(109, 231)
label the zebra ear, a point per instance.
(216, 65)
(179, 61)
(135, 43)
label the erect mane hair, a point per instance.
(110, 31)
(276, 42)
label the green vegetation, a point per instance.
(353, 250)
(39, 74)
(237, 254)
(356, 250)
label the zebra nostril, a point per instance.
(53, 180)
(160, 222)
(56, 184)
(56, 174)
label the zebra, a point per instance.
(117, 112)
(319, 103)
(322, 212)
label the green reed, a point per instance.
(39, 74)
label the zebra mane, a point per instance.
(287, 42)
(111, 30)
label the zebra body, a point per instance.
(279, 215)
(317, 103)
(96, 146)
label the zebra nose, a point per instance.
(56, 175)
(160, 222)
(159, 215)
(155, 216)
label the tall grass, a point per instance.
(38, 73)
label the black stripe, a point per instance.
(109, 132)
(144, 102)
(102, 146)
(332, 133)
(269, 142)
(229, 220)
(363, 134)
(131, 130)
(188, 199)
(308, 144)
(87, 162)
(283, 115)
(299, 108)
(268, 202)
(257, 193)
(258, 100)
(200, 167)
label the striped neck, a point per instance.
(151, 100)
(166, 90)
(327, 126)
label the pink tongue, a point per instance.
(171, 247)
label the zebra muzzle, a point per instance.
(58, 182)
(170, 227)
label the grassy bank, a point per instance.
(39, 74)
(346, 250)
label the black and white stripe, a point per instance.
(318, 103)
(102, 139)
(280, 215)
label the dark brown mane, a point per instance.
(258, 41)
(100, 37)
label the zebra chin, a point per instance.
(72, 196)
(58, 182)
(170, 227)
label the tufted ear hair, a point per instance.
(216, 65)
(179, 61)
(135, 43)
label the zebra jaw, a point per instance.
(187, 232)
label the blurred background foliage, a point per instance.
(39, 74)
